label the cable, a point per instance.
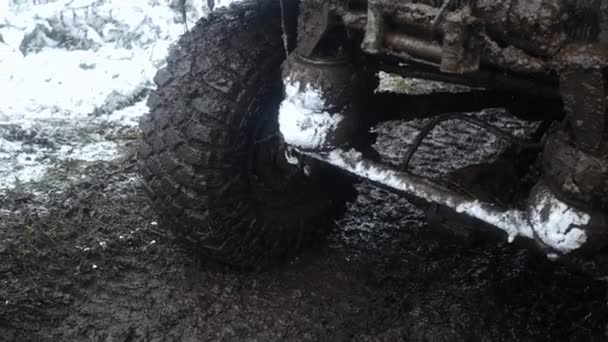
(284, 28)
(440, 13)
(429, 126)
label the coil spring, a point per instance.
(584, 20)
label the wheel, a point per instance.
(212, 161)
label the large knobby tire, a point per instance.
(211, 158)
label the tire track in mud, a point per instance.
(113, 274)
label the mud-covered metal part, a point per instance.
(484, 79)
(375, 25)
(461, 43)
(529, 37)
(575, 158)
(550, 48)
(557, 226)
(584, 92)
(322, 106)
(313, 23)
(506, 39)
(578, 176)
(510, 34)
(458, 50)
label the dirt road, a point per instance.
(82, 258)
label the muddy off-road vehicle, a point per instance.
(263, 115)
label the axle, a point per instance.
(557, 226)
(316, 125)
(550, 53)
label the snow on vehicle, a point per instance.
(262, 103)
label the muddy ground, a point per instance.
(82, 258)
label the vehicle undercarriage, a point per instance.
(549, 55)
(548, 49)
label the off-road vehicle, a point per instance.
(262, 117)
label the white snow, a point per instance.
(291, 156)
(415, 86)
(73, 73)
(557, 224)
(513, 222)
(128, 116)
(60, 84)
(225, 3)
(3, 8)
(101, 150)
(125, 43)
(303, 119)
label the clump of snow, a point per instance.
(127, 116)
(556, 223)
(303, 118)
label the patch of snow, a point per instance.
(303, 118)
(60, 84)
(391, 83)
(30, 164)
(513, 222)
(291, 157)
(101, 150)
(76, 73)
(225, 3)
(128, 116)
(352, 161)
(556, 223)
(3, 8)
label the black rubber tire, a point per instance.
(200, 153)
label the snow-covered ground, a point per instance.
(75, 74)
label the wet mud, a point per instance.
(83, 258)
